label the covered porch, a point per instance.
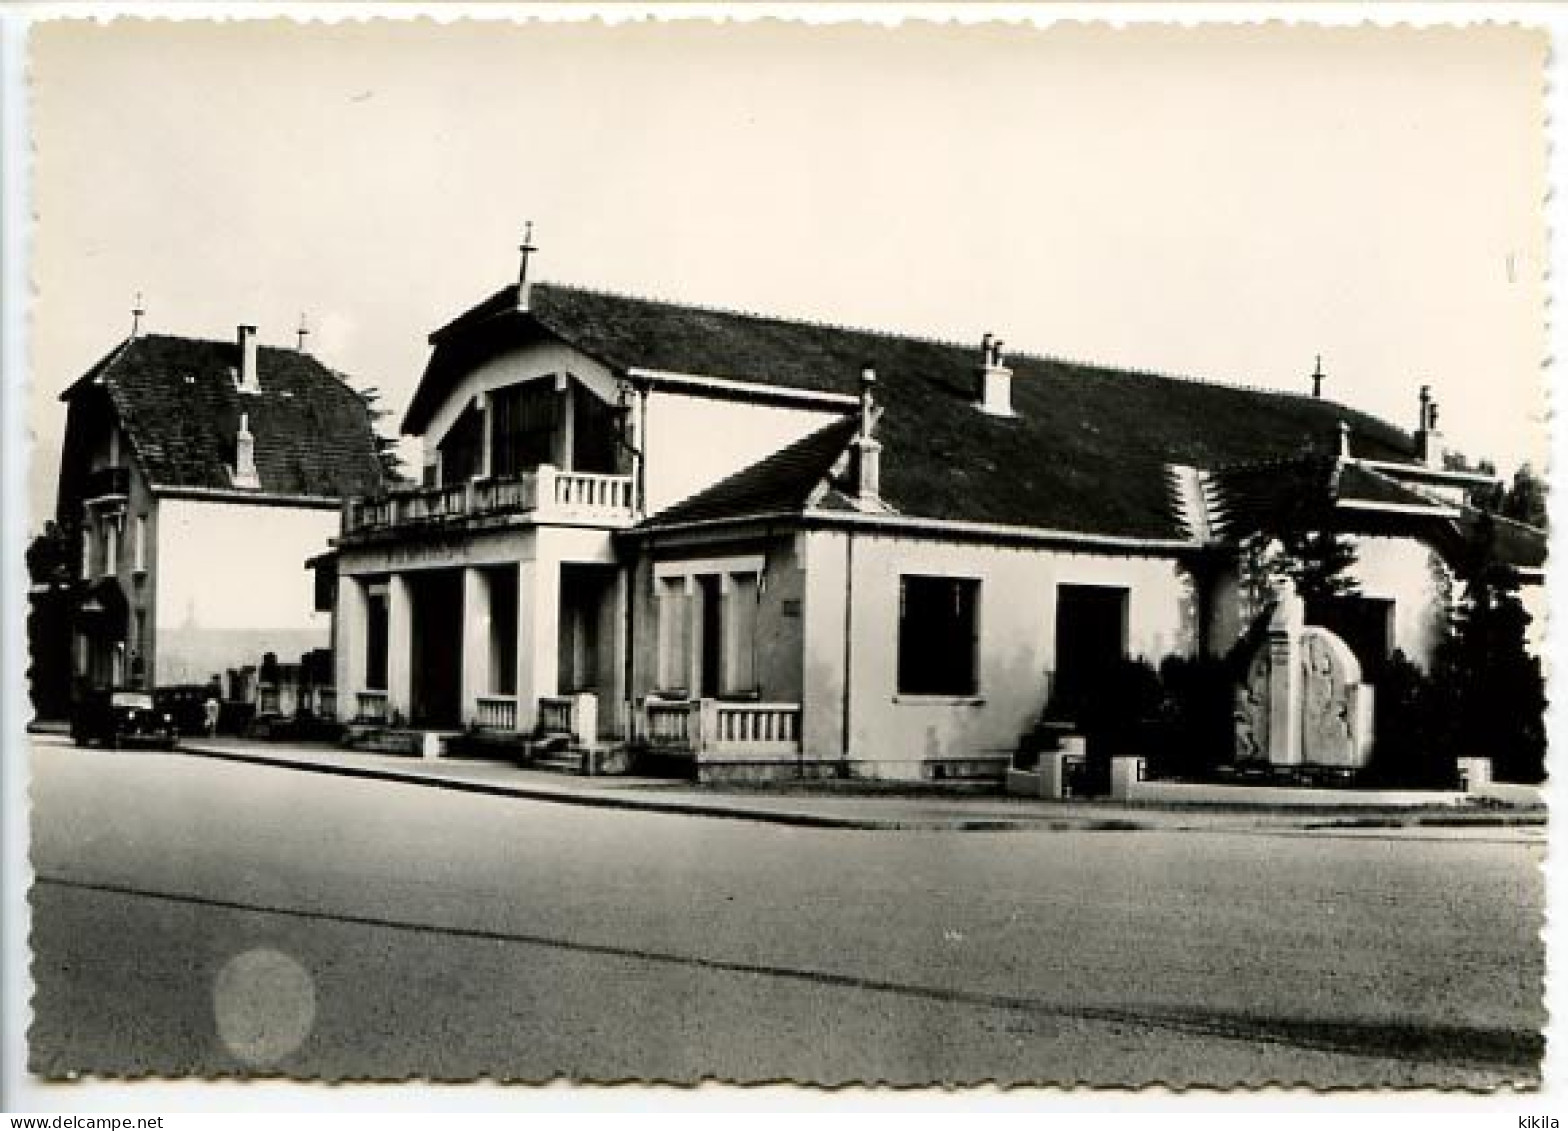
(518, 647)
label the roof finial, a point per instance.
(527, 248)
(137, 310)
(303, 332)
(1317, 376)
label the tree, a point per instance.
(386, 446)
(51, 567)
(1525, 499)
(1487, 687)
(1319, 563)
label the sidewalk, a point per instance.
(826, 808)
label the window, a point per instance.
(674, 634)
(523, 424)
(708, 627)
(938, 634)
(111, 548)
(139, 544)
(462, 448)
(87, 549)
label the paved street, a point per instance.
(194, 915)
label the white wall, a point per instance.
(231, 583)
(692, 442)
(1412, 575)
(1018, 590)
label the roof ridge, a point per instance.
(760, 316)
(1109, 368)
(1275, 461)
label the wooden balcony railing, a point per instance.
(544, 492)
(107, 483)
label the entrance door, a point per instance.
(438, 649)
(1091, 638)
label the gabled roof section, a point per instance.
(177, 402)
(1305, 491)
(1086, 450)
(784, 483)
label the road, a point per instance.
(194, 916)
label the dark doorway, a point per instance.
(1366, 624)
(436, 693)
(712, 635)
(1091, 639)
(586, 638)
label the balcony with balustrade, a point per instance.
(718, 730)
(544, 495)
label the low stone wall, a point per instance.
(1189, 793)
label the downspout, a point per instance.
(849, 638)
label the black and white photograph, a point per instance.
(764, 551)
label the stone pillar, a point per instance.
(1125, 774)
(476, 640)
(348, 645)
(585, 718)
(1475, 774)
(1284, 689)
(538, 636)
(400, 647)
(616, 701)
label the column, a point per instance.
(538, 634)
(476, 640)
(348, 645)
(616, 695)
(400, 646)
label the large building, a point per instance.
(774, 546)
(196, 477)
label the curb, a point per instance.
(1309, 821)
(676, 808)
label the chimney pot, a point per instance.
(249, 381)
(994, 387)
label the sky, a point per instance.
(1224, 202)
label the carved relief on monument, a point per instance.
(1330, 688)
(1252, 710)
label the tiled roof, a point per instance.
(1514, 543)
(177, 401)
(782, 483)
(1085, 452)
(1302, 491)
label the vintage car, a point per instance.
(122, 718)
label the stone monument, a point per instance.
(1302, 702)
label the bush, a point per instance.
(1409, 750)
(1196, 732)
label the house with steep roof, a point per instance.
(775, 547)
(197, 476)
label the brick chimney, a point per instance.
(245, 455)
(994, 381)
(247, 380)
(868, 452)
(1430, 448)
